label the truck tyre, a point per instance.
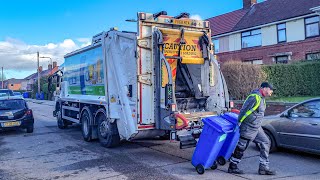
(86, 124)
(107, 132)
(62, 123)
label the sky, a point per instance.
(57, 27)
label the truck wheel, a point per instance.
(86, 119)
(62, 123)
(107, 132)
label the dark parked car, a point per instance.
(14, 113)
(296, 128)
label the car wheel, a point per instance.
(107, 132)
(30, 129)
(62, 123)
(273, 144)
(86, 119)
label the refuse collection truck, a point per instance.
(155, 82)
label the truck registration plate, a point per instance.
(182, 22)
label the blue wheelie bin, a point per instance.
(213, 136)
(28, 95)
(231, 140)
(42, 96)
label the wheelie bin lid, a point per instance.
(231, 117)
(219, 124)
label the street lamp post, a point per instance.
(47, 57)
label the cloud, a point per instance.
(196, 17)
(17, 56)
(84, 41)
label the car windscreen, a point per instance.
(12, 104)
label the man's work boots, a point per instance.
(233, 169)
(263, 170)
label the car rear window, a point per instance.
(12, 104)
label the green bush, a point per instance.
(297, 79)
(43, 88)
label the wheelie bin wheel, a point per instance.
(200, 169)
(214, 166)
(222, 161)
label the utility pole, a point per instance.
(2, 78)
(38, 73)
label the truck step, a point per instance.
(187, 141)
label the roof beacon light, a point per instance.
(206, 24)
(142, 16)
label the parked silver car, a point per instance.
(296, 128)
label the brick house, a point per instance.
(31, 79)
(14, 84)
(273, 31)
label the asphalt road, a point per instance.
(52, 153)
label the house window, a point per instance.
(216, 45)
(282, 36)
(312, 26)
(251, 38)
(313, 56)
(282, 59)
(257, 61)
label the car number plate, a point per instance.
(11, 124)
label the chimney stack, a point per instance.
(248, 3)
(54, 64)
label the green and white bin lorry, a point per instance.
(160, 81)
